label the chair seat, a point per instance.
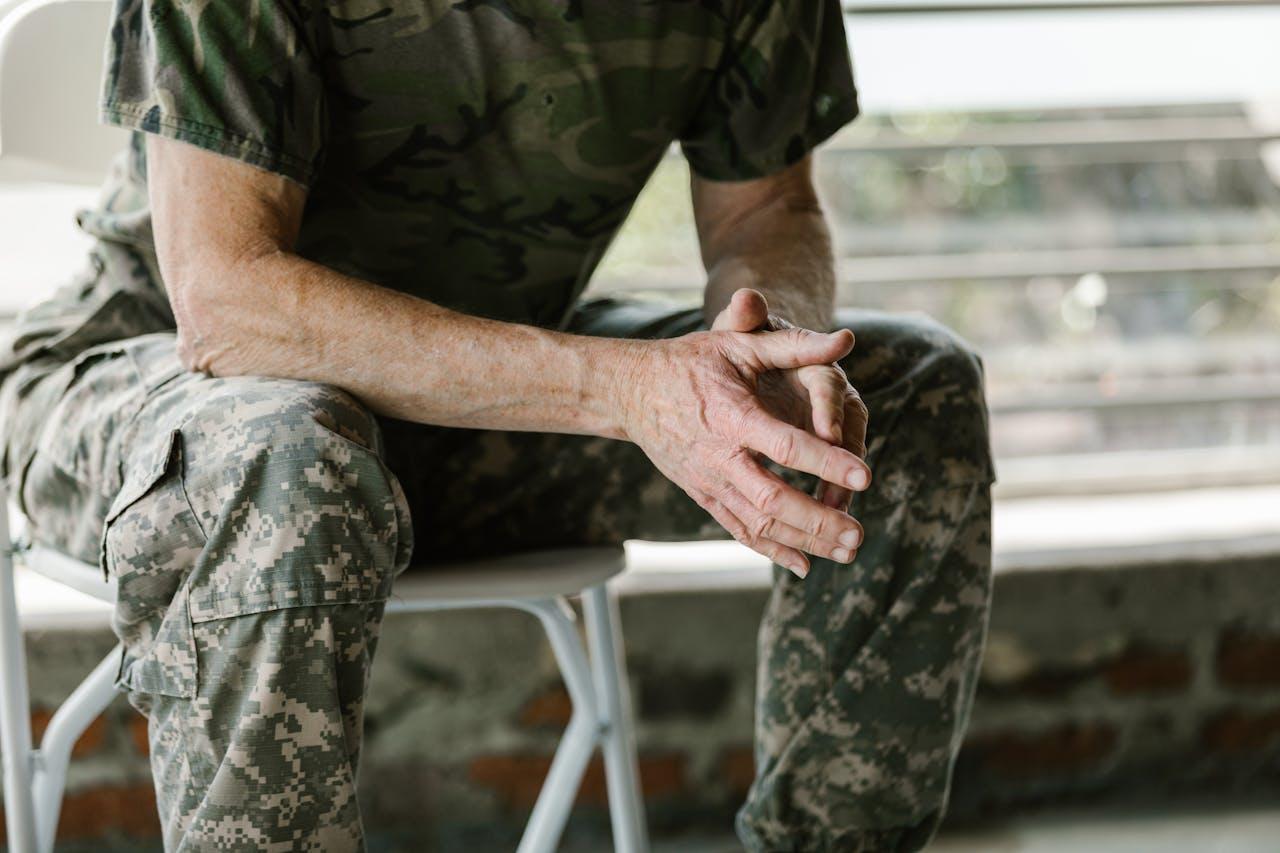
(57, 566)
(532, 574)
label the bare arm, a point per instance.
(769, 235)
(767, 251)
(246, 304)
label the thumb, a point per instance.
(747, 311)
(791, 348)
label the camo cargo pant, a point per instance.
(256, 527)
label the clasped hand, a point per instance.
(708, 407)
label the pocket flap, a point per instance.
(150, 544)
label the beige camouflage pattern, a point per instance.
(482, 153)
(256, 527)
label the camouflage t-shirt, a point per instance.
(477, 153)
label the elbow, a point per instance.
(194, 351)
(207, 328)
(220, 306)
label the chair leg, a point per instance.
(15, 708)
(73, 716)
(560, 788)
(604, 635)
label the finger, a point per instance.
(768, 528)
(856, 419)
(792, 348)
(825, 531)
(750, 309)
(747, 311)
(788, 558)
(854, 440)
(796, 449)
(827, 387)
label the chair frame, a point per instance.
(34, 778)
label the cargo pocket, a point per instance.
(151, 543)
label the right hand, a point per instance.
(691, 404)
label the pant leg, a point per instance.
(254, 532)
(866, 673)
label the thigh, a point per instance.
(923, 386)
(68, 438)
(483, 493)
(68, 384)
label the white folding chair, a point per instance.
(538, 583)
(47, 119)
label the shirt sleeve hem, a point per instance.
(214, 139)
(775, 160)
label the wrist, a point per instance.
(613, 367)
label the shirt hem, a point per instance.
(211, 138)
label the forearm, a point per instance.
(783, 251)
(280, 315)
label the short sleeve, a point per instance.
(783, 85)
(235, 77)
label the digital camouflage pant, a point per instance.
(256, 527)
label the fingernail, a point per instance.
(850, 538)
(798, 567)
(858, 480)
(840, 555)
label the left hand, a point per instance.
(817, 398)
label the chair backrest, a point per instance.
(51, 54)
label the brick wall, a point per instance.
(1132, 684)
(1141, 684)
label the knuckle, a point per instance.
(738, 422)
(784, 446)
(830, 465)
(769, 498)
(736, 530)
(760, 527)
(817, 527)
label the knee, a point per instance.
(925, 390)
(953, 376)
(901, 358)
(280, 433)
(293, 469)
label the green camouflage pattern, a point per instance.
(477, 153)
(256, 526)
